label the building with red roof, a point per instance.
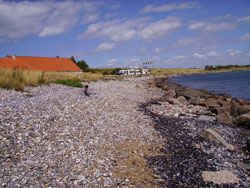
(39, 63)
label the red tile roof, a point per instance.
(39, 63)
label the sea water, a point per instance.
(236, 84)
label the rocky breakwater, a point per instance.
(205, 145)
(222, 107)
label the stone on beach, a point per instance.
(224, 118)
(244, 109)
(220, 177)
(243, 119)
(214, 136)
(206, 118)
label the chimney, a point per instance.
(14, 57)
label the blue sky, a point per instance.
(112, 33)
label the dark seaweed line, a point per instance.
(183, 168)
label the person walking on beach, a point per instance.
(86, 90)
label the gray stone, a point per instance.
(242, 102)
(244, 109)
(206, 118)
(172, 100)
(214, 136)
(234, 109)
(224, 118)
(221, 110)
(170, 93)
(243, 119)
(182, 100)
(194, 100)
(189, 93)
(220, 177)
(212, 103)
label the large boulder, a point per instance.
(242, 102)
(244, 109)
(243, 119)
(170, 93)
(234, 109)
(223, 103)
(171, 100)
(220, 177)
(194, 100)
(224, 118)
(190, 93)
(221, 110)
(212, 103)
(214, 136)
(182, 100)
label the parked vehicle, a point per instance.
(133, 72)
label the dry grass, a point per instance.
(131, 164)
(18, 79)
(193, 71)
(176, 71)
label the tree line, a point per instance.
(81, 64)
(219, 67)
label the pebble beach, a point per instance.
(121, 135)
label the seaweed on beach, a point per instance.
(182, 163)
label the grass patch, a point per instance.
(18, 79)
(176, 71)
(72, 83)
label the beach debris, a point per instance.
(86, 90)
(214, 136)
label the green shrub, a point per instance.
(105, 73)
(72, 83)
(115, 71)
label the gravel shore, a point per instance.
(123, 135)
(56, 136)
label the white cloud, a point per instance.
(168, 7)
(244, 19)
(120, 30)
(134, 60)
(160, 28)
(205, 55)
(211, 27)
(112, 62)
(223, 17)
(232, 52)
(88, 18)
(213, 54)
(43, 18)
(105, 47)
(210, 47)
(117, 30)
(245, 37)
(180, 57)
(158, 50)
(187, 41)
(199, 56)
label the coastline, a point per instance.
(125, 133)
(191, 152)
